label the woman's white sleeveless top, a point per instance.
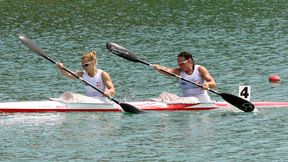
(96, 81)
(189, 89)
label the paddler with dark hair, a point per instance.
(193, 72)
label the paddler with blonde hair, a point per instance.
(96, 77)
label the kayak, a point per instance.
(55, 105)
(100, 105)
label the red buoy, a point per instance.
(274, 79)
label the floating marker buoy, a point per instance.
(274, 79)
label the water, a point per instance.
(240, 42)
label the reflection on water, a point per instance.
(32, 119)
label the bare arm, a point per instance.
(159, 68)
(109, 86)
(60, 66)
(210, 82)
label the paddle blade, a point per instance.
(130, 108)
(238, 102)
(29, 44)
(121, 51)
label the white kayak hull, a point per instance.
(58, 106)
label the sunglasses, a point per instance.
(184, 62)
(86, 64)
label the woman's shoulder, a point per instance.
(105, 75)
(202, 69)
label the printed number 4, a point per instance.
(245, 92)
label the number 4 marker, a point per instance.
(245, 92)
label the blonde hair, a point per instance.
(91, 55)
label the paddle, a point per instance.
(238, 102)
(28, 43)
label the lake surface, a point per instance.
(240, 42)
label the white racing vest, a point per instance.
(191, 90)
(96, 81)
